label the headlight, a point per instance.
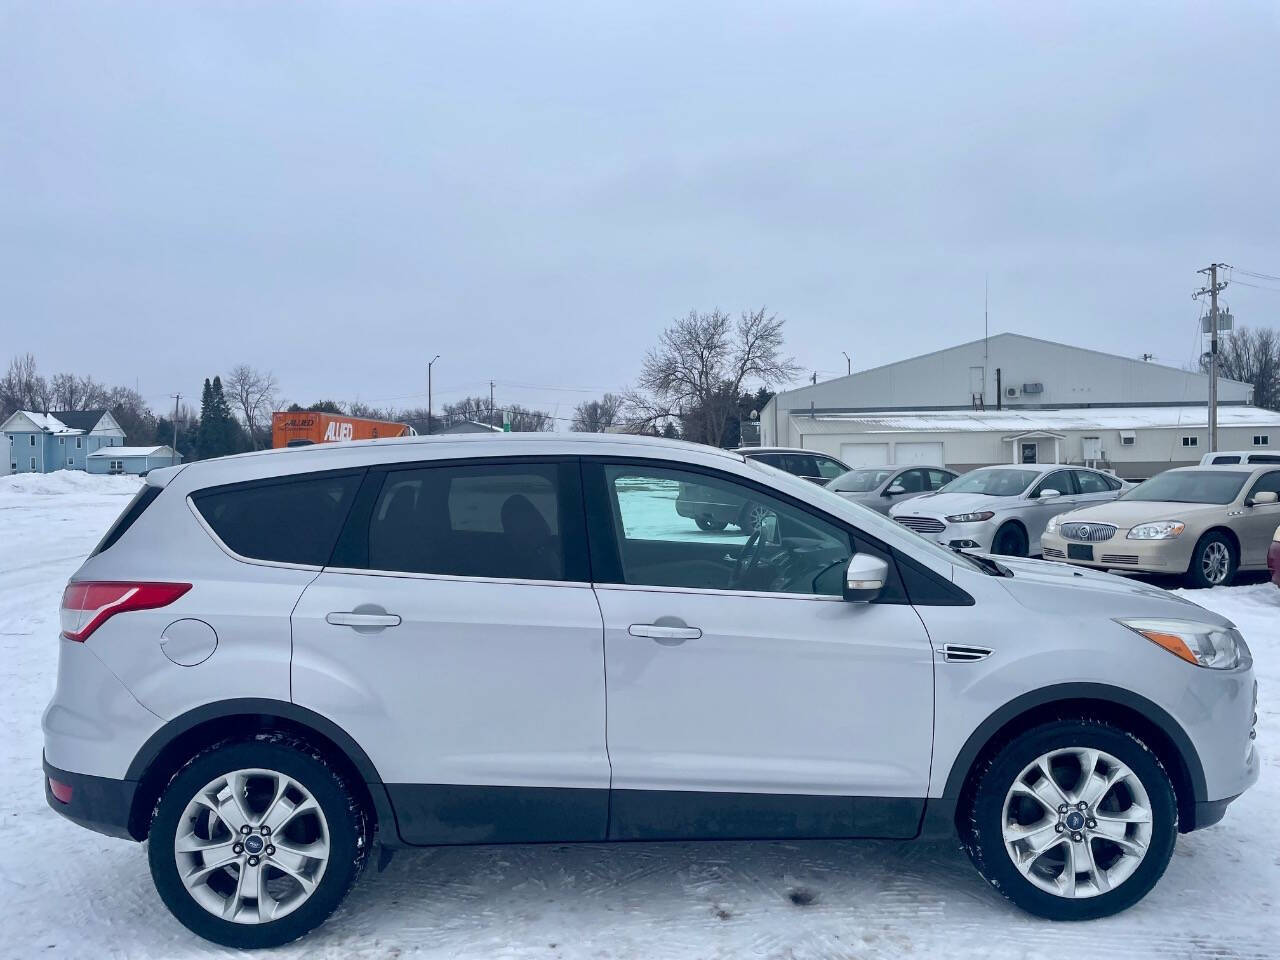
(971, 517)
(1052, 525)
(1160, 530)
(1220, 648)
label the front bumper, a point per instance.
(1119, 553)
(977, 537)
(98, 803)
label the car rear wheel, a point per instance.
(255, 842)
(709, 525)
(1213, 562)
(1073, 820)
(1010, 541)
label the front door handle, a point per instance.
(669, 634)
(353, 618)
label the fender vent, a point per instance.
(958, 653)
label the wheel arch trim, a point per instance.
(265, 709)
(1066, 693)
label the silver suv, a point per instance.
(275, 660)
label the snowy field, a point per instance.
(66, 892)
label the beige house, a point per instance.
(1016, 399)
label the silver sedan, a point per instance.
(879, 488)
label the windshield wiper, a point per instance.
(985, 564)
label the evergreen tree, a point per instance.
(219, 431)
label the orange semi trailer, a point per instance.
(301, 428)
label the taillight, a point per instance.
(87, 605)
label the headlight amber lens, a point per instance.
(1202, 644)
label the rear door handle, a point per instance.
(350, 618)
(664, 633)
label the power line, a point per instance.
(1255, 274)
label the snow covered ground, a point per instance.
(66, 892)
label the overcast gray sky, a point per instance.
(339, 191)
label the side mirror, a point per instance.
(895, 489)
(1049, 494)
(1261, 497)
(865, 577)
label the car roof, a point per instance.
(747, 451)
(1224, 468)
(1034, 467)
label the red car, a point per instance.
(1273, 558)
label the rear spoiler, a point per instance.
(161, 476)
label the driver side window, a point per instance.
(678, 528)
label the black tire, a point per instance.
(982, 817)
(1197, 577)
(1010, 541)
(705, 523)
(348, 826)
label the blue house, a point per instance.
(61, 440)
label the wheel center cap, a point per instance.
(1075, 820)
(254, 843)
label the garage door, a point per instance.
(864, 454)
(918, 453)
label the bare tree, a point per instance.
(468, 408)
(597, 416)
(22, 387)
(1252, 356)
(697, 371)
(71, 392)
(252, 393)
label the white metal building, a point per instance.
(1017, 399)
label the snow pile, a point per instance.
(66, 892)
(63, 482)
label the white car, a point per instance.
(1004, 510)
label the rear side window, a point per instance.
(141, 500)
(295, 520)
(503, 520)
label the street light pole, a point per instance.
(848, 364)
(429, 366)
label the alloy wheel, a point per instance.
(252, 846)
(1215, 561)
(1077, 822)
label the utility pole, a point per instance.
(848, 364)
(491, 423)
(176, 398)
(1213, 289)
(429, 366)
(814, 378)
(1148, 357)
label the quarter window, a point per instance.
(295, 520)
(676, 528)
(495, 520)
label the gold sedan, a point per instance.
(1206, 523)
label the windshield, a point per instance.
(994, 482)
(859, 481)
(1191, 486)
(873, 523)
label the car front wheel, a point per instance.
(1072, 820)
(255, 842)
(1010, 541)
(1213, 562)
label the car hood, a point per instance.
(1128, 513)
(949, 504)
(1059, 588)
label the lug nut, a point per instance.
(271, 851)
(1091, 824)
(237, 848)
(1077, 837)
(253, 861)
(266, 831)
(1081, 805)
(1058, 827)
(246, 829)
(1062, 808)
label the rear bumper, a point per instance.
(98, 803)
(709, 510)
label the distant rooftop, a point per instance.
(1090, 418)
